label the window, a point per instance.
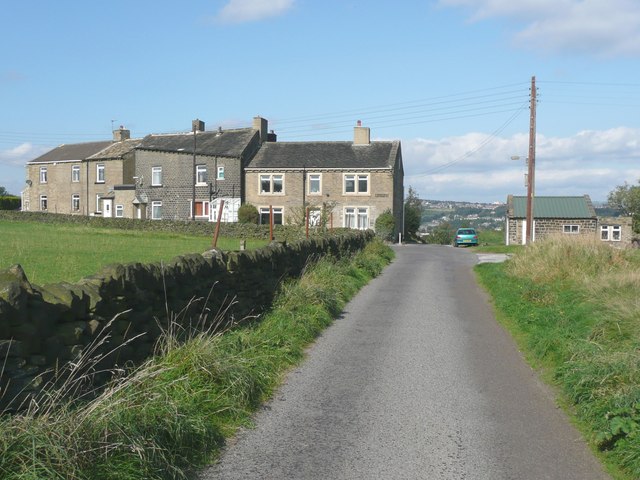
(277, 215)
(119, 211)
(98, 203)
(75, 173)
(571, 228)
(43, 202)
(156, 176)
(43, 174)
(201, 174)
(356, 217)
(100, 173)
(356, 183)
(202, 209)
(610, 233)
(272, 184)
(75, 202)
(315, 186)
(220, 173)
(156, 210)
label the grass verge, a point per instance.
(172, 415)
(573, 307)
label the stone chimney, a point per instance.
(361, 135)
(260, 124)
(121, 134)
(197, 125)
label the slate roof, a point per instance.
(229, 143)
(72, 151)
(116, 149)
(273, 155)
(552, 207)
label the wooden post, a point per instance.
(306, 222)
(217, 231)
(270, 223)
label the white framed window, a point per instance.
(75, 173)
(356, 183)
(201, 174)
(43, 202)
(610, 233)
(156, 176)
(75, 202)
(272, 184)
(356, 217)
(156, 210)
(315, 184)
(220, 174)
(100, 173)
(278, 215)
(43, 174)
(572, 229)
(119, 211)
(202, 208)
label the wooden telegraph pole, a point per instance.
(532, 163)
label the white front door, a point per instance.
(107, 205)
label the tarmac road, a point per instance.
(415, 381)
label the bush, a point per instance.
(247, 213)
(442, 234)
(9, 202)
(385, 225)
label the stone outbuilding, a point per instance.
(551, 215)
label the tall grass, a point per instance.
(172, 414)
(574, 305)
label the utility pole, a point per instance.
(193, 201)
(532, 163)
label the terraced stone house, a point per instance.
(345, 184)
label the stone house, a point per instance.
(551, 215)
(170, 168)
(345, 184)
(616, 231)
(109, 174)
(56, 181)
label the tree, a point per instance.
(626, 198)
(412, 214)
(442, 234)
(3, 191)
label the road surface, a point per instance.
(415, 380)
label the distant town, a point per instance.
(483, 216)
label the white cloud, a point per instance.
(589, 162)
(241, 11)
(610, 28)
(20, 155)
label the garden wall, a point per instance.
(42, 327)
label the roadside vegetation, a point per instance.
(173, 414)
(54, 252)
(573, 306)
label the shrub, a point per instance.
(385, 225)
(442, 234)
(9, 202)
(248, 213)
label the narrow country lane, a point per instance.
(415, 381)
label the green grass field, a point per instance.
(62, 252)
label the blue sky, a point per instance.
(449, 78)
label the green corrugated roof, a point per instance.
(555, 207)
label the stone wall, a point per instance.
(42, 327)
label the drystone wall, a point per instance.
(44, 327)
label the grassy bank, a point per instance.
(53, 252)
(173, 414)
(574, 308)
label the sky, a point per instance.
(450, 79)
